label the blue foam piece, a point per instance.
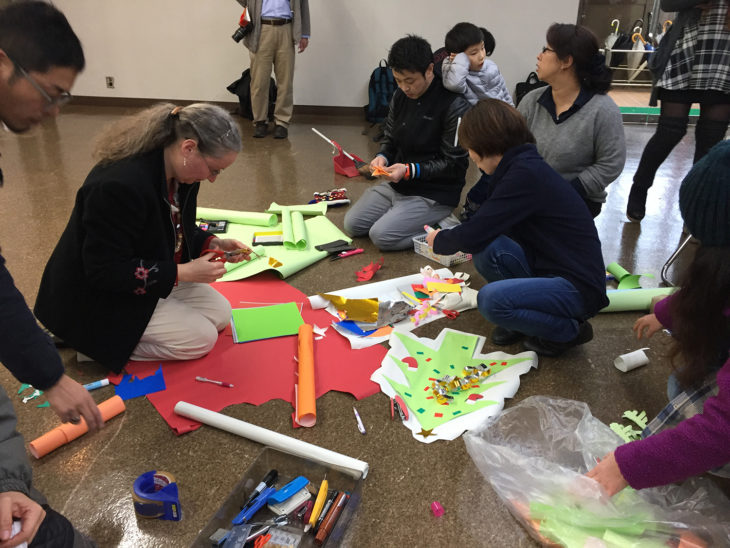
(134, 387)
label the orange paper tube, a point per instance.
(306, 411)
(65, 433)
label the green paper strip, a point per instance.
(240, 217)
(620, 300)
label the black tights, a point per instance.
(672, 126)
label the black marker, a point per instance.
(330, 499)
(268, 481)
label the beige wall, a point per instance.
(182, 49)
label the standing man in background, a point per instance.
(40, 57)
(278, 26)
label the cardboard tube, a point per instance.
(354, 467)
(306, 398)
(65, 433)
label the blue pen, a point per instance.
(97, 384)
(248, 512)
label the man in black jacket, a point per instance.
(40, 57)
(425, 167)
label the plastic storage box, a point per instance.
(421, 247)
(289, 467)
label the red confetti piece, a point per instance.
(428, 359)
(438, 415)
(366, 273)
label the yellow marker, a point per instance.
(318, 504)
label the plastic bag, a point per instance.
(535, 455)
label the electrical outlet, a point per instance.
(110, 82)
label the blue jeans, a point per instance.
(549, 308)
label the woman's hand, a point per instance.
(229, 244)
(646, 326)
(201, 270)
(608, 475)
(431, 236)
(378, 161)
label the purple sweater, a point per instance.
(694, 446)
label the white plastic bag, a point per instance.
(535, 455)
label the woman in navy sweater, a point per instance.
(533, 238)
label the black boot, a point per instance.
(668, 133)
(707, 134)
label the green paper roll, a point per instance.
(624, 300)
(239, 217)
(617, 271)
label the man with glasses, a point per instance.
(40, 57)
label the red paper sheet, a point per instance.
(261, 370)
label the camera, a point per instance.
(242, 32)
(245, 27)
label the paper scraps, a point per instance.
(379, 172)
(628, 432)
(134, 386)
(414, 364)
(367, 272)
(356, 310)
(265, 322)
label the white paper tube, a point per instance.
(632, 360)
(354, 467)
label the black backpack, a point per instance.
(242, 88)
(380, 90)
(530, 83)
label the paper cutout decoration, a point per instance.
(366, 273)
(448, 354)
(624, 278)
(132, 386)
(624, 300)
(265, 322)
(238, 217)
(392, 290)
(628, 432)
(292, 222)
(260, 370)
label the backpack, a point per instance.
(530, 83)
(380, 90)
(242, 88)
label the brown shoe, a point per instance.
(280, 132)
(261, 130)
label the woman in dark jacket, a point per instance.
(532, 238)
(128, 278)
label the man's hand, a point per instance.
(378, 161)
(608, 474)
(71, 401)
(431, 236)
(15, 505)
(303, 43)
(201, 270)
(646, 326)
(397, 172)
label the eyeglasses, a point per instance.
(61, 99)
(546, 49)
(213, 172)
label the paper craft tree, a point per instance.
(413, 364)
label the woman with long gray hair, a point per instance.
(129, 277)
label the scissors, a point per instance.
(224, 256)
(263, 539)
(450, 314)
